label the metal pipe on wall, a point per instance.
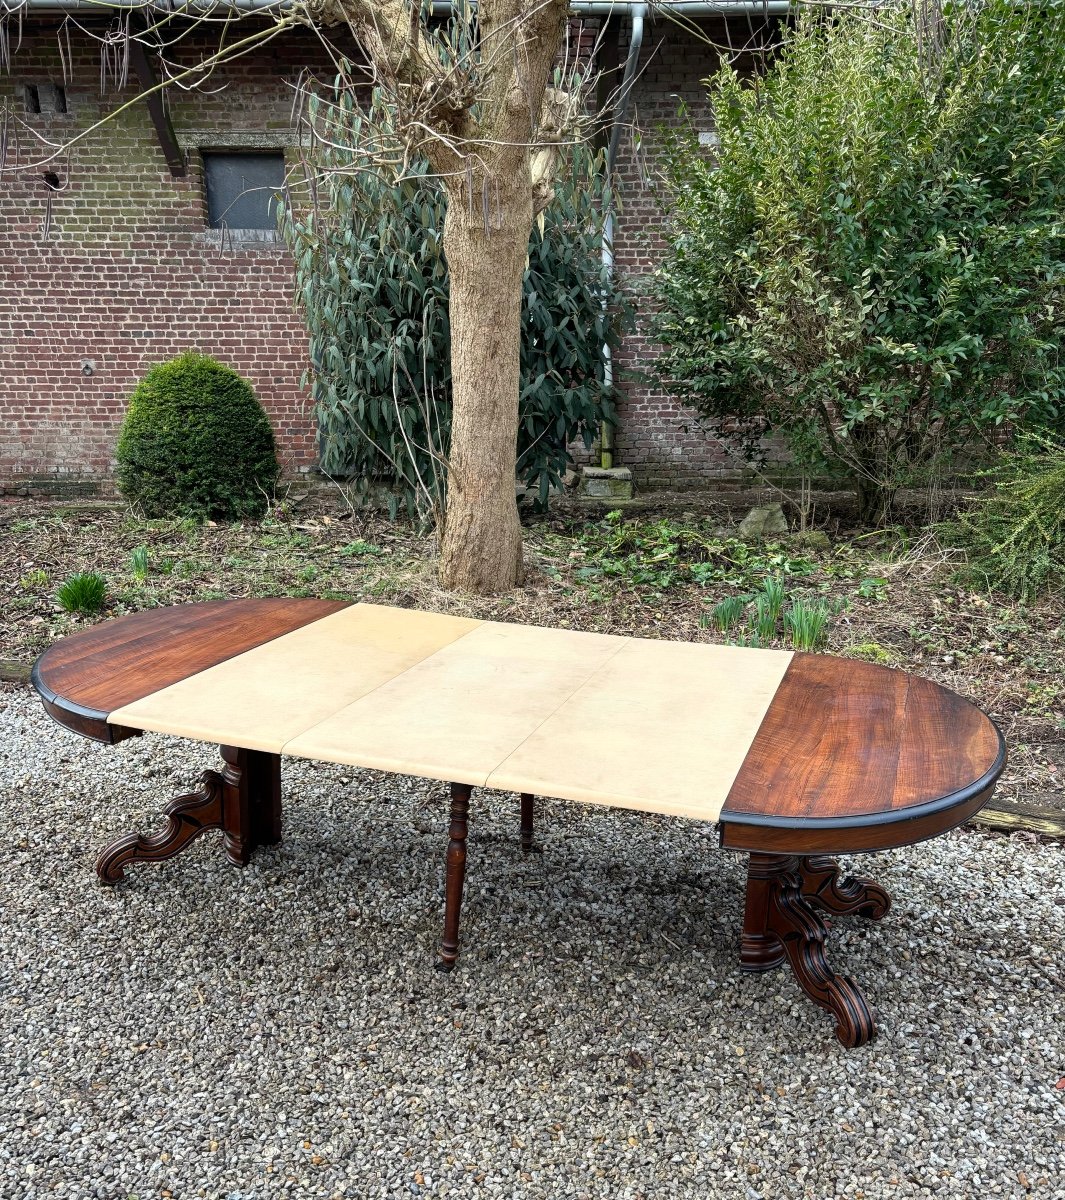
(639, 13)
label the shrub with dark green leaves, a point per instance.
(196, 443)
(871, 264)
(372, 285)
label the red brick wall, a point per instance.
(657, 437)
(128, 275)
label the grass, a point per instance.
(138, 563)
(807, 624)
(83, 593)
(728, 613)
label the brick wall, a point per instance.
(126, 273)
(123, 272)
(657, 436)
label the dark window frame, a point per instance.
(237, 203)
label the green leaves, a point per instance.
(372, 285)
(196, 442)
(83, 592)
(874, 262)
(1015, 536)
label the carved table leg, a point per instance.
(527, 809)
(243, 800)
(456, 874)
(823, 887)
(760, 949)
(779, 923)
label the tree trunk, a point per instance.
(480, 546)
(875, 501)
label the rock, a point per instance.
(812, 539)
(599, 483)
(768, 520)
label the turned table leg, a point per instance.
(780, 923)
(527, 812)
(243, 800)
(456, 874)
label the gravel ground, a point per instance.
(280, 1032)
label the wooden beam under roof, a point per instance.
(164, 129)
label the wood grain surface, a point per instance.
(851, 743)
(84, 677)
(849, 755)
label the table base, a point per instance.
(780, 924)
(243, 800)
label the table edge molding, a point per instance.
(837, 835)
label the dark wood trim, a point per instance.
(880, 831)
(164, 129)
(89, 722)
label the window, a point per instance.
(241, 187)
(45, 98)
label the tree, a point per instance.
(476, 103)
(473, 97)
(372, 287)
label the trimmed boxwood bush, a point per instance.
(196, 443)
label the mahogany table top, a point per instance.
(788, 752)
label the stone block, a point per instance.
(600, 483)
(767, 520)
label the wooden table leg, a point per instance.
(243, 800)
(456, 874)
(779, 923)
(824, 888)
(262, 773)
(527, 810)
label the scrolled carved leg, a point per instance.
(187, 817)
(456, 874)
(243, 800)
(824, 887)
(527, 812)
(779, 923)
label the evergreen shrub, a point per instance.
(196, 443)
